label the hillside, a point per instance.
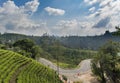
(68, 58)
(15, 68)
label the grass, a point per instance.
(65, 65)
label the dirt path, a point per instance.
(87, 78)
(72, 74)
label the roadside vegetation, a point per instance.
(105, 64)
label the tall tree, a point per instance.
(25, 44)
(117, 33)
(106, 64)
(28, 48)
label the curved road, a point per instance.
(71, 74)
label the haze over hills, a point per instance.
(89, 42)
(81, 42)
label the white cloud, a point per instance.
(107, 8)
(32, 5)
(68, 23)
(76, 27)
(17, 19)
(8, 8)
(54, 11)
(104, 3)
(91, 2)
(92, 9)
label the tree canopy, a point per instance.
(27, 48)
(106, 64)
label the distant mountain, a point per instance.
(81, 42)
(88, 42)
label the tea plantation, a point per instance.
(15, 68)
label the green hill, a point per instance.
(15, 68)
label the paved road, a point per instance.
(71, 74)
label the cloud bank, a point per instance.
(17, 19)
(104, 16)
(107, 14)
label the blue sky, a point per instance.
(59, 17)
(72, 9)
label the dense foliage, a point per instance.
(15, 68)
(27, 47)
(106, 65)
(117, 32)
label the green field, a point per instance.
(15, 68)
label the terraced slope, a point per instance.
(15, 68)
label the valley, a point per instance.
(66, 64)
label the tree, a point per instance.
(28, 47)
(117, 27)
(25, 44)
(36, 51)
(117, 33)
(0, 41)
(106, 64)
